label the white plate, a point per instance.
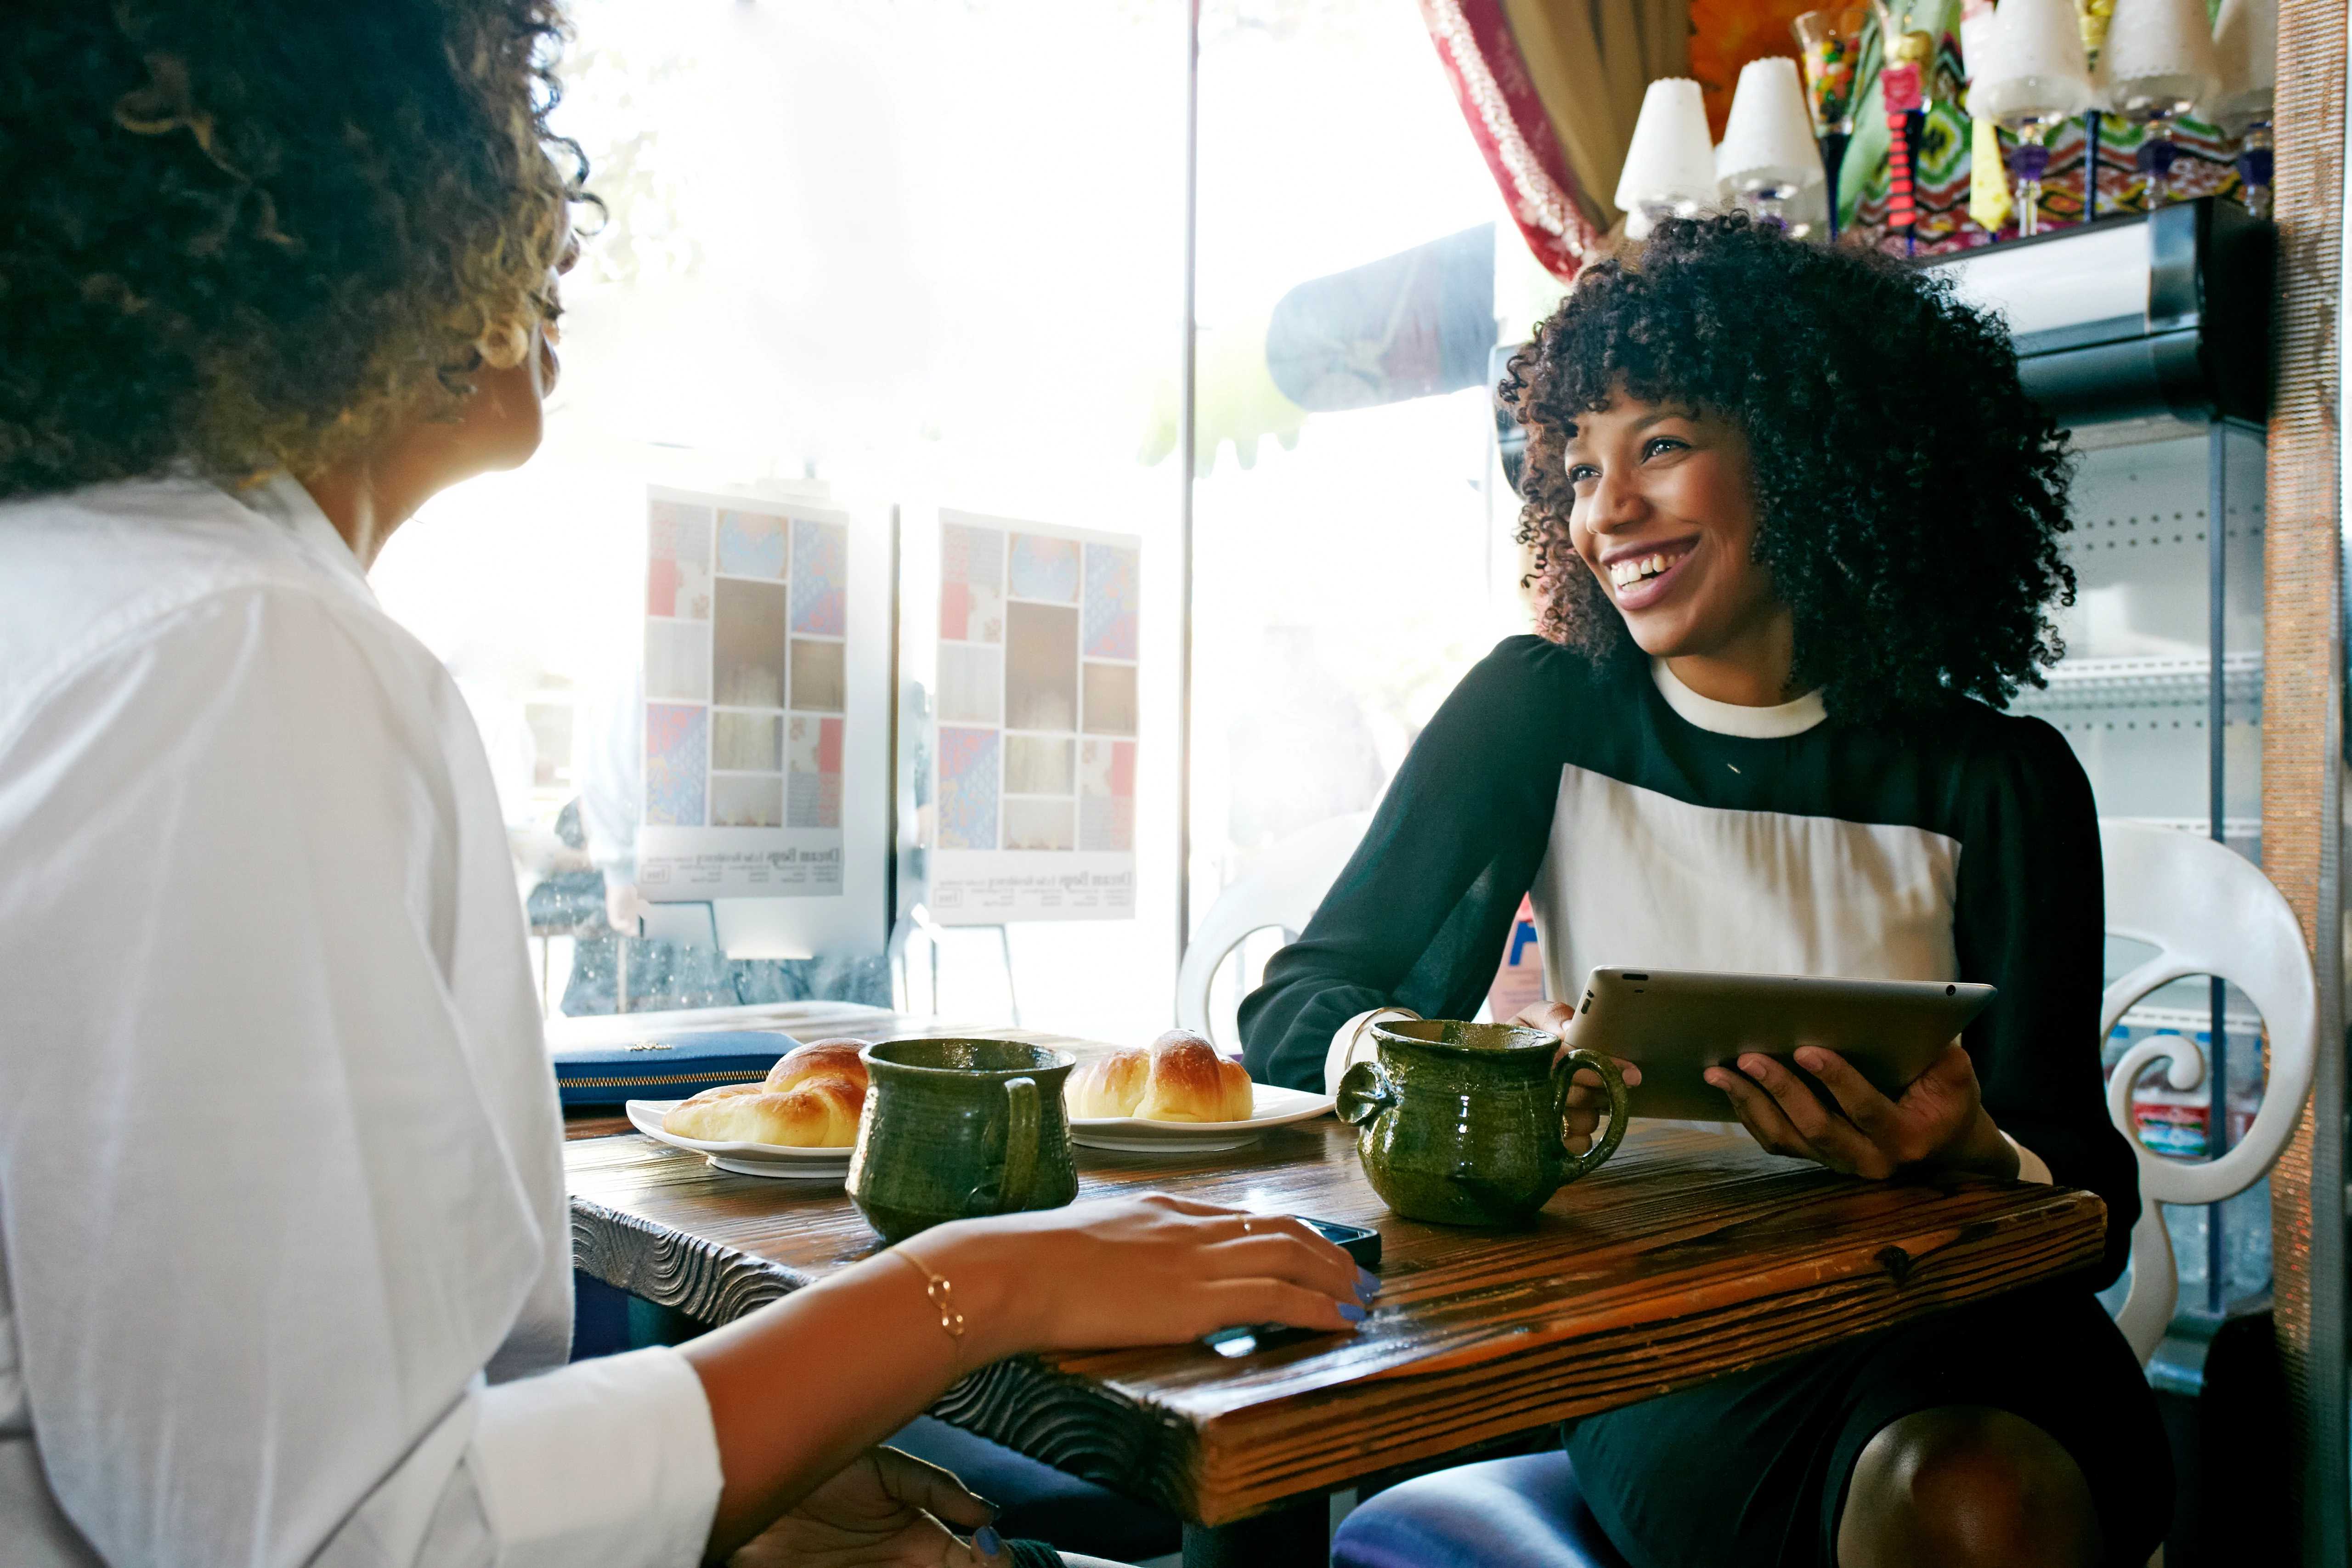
(781, 1161)
(1269, 1107)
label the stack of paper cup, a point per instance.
(1670, 167)
(1979, 32)
(2245, 48)
(2035, 70)
(1768, 149)
(2158, 61)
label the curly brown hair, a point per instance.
(251, 234)
(1910, 497)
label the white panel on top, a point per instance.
(2060, 282)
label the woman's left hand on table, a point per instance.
(885, 1509)
(1940, 1122)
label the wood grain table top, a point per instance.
(1685, 1258)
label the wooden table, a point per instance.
(1685, 1258)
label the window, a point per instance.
(931, 255)
(1351, 539)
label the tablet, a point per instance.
(1675, 1023)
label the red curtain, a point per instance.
(1508, 117)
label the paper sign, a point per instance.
(1036, 745)
(746, 706)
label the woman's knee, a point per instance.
(1967, 1485)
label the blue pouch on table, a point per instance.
(665, 1067)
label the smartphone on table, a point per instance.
(1248, 1339)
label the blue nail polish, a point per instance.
(1368, 1285)
(986, 1541)
(1354, 1314)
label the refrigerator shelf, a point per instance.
(2192, 1021)
(2237, 832)
(2078, 682)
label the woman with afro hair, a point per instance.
(285, 1260)
(1796, 536)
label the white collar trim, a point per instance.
(284, 501)
(1732, 719)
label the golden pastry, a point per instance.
(810, 1099)
(1190, 1081)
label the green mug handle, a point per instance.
(1563, 1074)
(1020, 1146)
(1364, 1092)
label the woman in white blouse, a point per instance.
(284, 1260)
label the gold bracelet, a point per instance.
(941, 1292)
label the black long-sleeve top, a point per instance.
(1654, 828)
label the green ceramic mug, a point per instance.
(1461, 1123)
(955, 1129)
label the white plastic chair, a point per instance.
(2206, 911)
(1289, 882)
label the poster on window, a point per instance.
(1034, 749)
(747, 719)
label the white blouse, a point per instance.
(285, 1262)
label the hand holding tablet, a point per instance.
(1675, 1025)
(1864, 1076)
(1938, 1121)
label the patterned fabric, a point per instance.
(820, 572)
(1113, 596)
(967, 789)
(1945, 168)
(2204, 166)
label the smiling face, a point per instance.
(1664, 516)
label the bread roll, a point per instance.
(1107, 1086)
(826, 1058)
(810, 1099)
(1189, 1081)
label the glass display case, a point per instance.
(2161, 605)
(2147, 338)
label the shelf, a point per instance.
(2111, 682)
(2192, 1021)
(2235, 830)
